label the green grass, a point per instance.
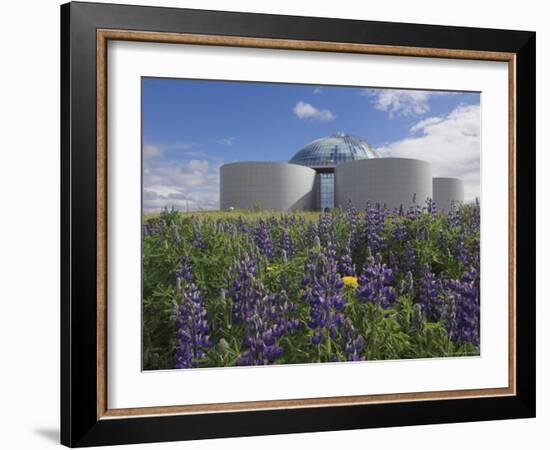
(246, 214)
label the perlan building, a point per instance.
(331, 172)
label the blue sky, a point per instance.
(192, 127)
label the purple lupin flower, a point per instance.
(262, 239)
(346, 265)
(431, 206)
(193, 328)
(393, 261)
(281, 313)
(265, 316)
(286, 245)
(462, 316)
(242, 226)
(351, 343)
(409, 259)
(376, 284)
(225, 227)
(460, 250)
(244, 288)
(429, 295)
(324, 293)
(325, 228)
(375, 216)
(198, 241)
(262, 316)
(158, 226)
(191, 320)
(147, 229)
(260, 343)
(399, 231)
(184, 272)
(414, 211)
(453, 216)
(310, 234)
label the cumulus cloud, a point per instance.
(401, 102)
(450, 142)
(186, 185)
(304, 110)
(426, 123)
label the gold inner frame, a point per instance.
(104, 35)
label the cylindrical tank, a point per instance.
(267, 185)
(389, 181)
(447, 190)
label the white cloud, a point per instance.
(304, 110)
(317, 91)
(189, 185)
(450, 142)
(426, 123)
(226, 141)
(402, 102)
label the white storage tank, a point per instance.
(447, 190)
(389, 181)
(267, 185)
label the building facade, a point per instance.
(267, 185)
(446, 191)
(331, 172)
(390, 181)
(324, 154)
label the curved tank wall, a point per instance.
(269, 185)
(390, 181)
(447, 190)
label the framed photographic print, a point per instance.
(277, 224)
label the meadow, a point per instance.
(226, 288)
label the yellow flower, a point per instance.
(350, 281)
(272, 268)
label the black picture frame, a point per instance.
(80, 425)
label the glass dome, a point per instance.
(333, 150)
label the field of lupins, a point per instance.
(254, 288)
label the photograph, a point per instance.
(303, 224)
(289, 222)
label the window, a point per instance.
(326, 191)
